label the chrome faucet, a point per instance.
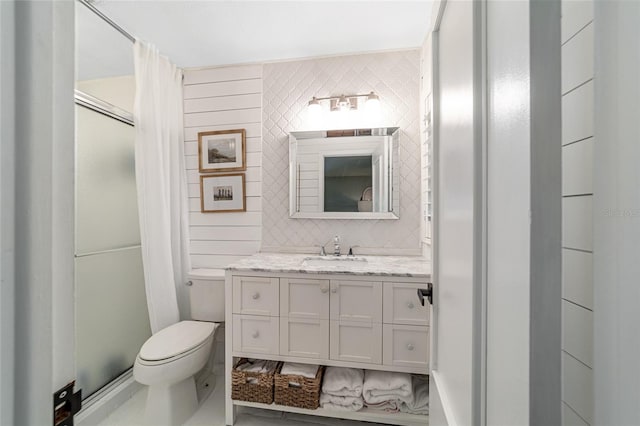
(336, 245)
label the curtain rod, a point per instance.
(108, 20)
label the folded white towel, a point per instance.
(304, 370)
(391, 406)
(420, 402)
(341, 403)
(380, 386)
(258, 366)
(340, 381)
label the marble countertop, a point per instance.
(395, 266)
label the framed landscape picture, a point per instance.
(222, 193)
(221, 151)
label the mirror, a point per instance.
(344, 174)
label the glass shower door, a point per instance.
(112, 321)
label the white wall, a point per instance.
(288, 86)
(577, 199)
(616, 214)
(118, 91)
(222, 99)
(44, 206)
(7, 205)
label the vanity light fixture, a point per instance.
(344, 102)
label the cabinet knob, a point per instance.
(255, 334)
(256, 295)
(410, 346)
(410, 305)
(334, 290)
(324, 289)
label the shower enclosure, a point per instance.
(111, 314)
(111, 310)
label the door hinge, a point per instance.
(66, 404)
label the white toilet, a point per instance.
(169, 360)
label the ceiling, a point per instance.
(210, 33)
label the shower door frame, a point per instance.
(103, 401)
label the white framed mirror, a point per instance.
(344, 174)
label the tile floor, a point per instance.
(211, 413)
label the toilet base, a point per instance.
(171, 405)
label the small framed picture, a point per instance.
(221, 151)
(222, 193)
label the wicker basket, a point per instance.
(258, 390)
(303, 393)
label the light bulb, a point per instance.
(314, 113)
(373, 103)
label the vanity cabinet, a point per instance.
(331, 319)
(363, 321)
(344, 320)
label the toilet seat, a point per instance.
(175, 341)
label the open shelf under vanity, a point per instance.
(365, 414)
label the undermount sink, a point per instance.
(345, 261)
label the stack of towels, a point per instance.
(342, 389)
(393, 392)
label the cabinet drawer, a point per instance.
(406, 346)
(255, 334)
(303, 298)
(304, 337)
(401, 304)
(255, 296)
(356, 301)
(356, 341)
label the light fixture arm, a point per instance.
(346, 96)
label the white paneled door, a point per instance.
(457, 142)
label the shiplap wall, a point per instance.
(222, 99)
(426, 144)
(577, 192)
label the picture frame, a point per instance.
(223, 193)
(222, 151)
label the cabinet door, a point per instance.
(255, 334)
(304, 337)
(255, 296)
(303, 298)
(401, 305)
(356, 301)
(356, 341)
(406, 346)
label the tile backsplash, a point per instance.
(287, 88)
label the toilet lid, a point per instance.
(176, 339)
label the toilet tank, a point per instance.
(206, 294)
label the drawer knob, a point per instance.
(256, 295)
(324, 289)
(255, 334)
(410, 346)
(334, 290)
(410, 305)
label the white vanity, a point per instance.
(349, 312)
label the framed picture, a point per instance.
(222, 193)
(221, 151)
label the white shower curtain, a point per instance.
(161, 184)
